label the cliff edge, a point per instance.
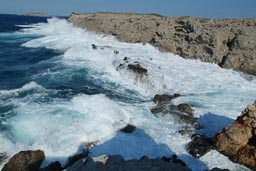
(230, 43)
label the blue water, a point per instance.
(57, 93)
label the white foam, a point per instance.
(59, 128)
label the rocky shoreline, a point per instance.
(230, 43)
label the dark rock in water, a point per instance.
(184, 107)
(54, 166)
(125, 58)
(237, 141)
(137, 68)
(117, 163)
(3, 156)
(199, 146)
(128, 129)
(115, 52)
(73, 159)
(217, 169)
(185, 118)
(164, 97)
(25, 161)
(94, 46)
(186, 130)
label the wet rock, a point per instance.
(128, 129)
(54, 166)
(25, 161)
(159, 98)
(186, 130)
(199, 146)
(184, 107)
(94, 46)
(125, 58)
(73, 159)
(137, 68)
(236, 140)
(117, 163)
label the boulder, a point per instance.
(217, 169)
(186, 108)
(73, 159)
(199, 146)
(25, 161)
(160, 98)
(237, 141)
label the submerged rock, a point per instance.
(199, 146)
(128, 129)
(25, 161)
(237, 141)
(137, 68)
(117, 163)
(94, 46)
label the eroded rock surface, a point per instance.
(230, 43)
(25, 161)
(238, 141)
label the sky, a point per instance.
(196, 8)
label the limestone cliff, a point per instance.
(230, 43)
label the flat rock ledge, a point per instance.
(230, 43)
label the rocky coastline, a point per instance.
(230, 43)
(35, 14)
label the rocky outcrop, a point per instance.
(117, 163)
(3, 156)
(35, 14)
(182, 113)
(230, 43)
(199, 146)
(25, 161)
(238, 141)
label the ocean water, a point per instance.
(57, 93)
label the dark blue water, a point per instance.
(20, 65)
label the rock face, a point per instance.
(230, 43)
(25, 161)
(117, 163)
(238, 141)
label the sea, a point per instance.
(57, 93)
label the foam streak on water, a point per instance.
(60, 125)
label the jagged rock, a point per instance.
(128, 129)
(117, 163)
(73, 159)
(199, 146)
(230, 43)
(184, 107)
(137, 68)
(159, 98)
(25, 161)
(54, 166)
(237, 140)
